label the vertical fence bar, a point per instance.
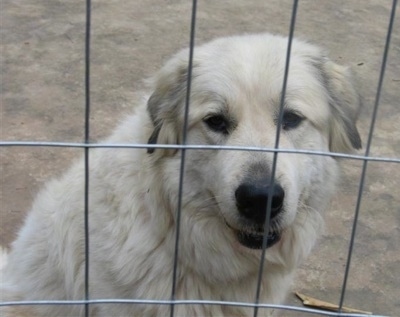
(367, 151)
(87, 140)
(275, 157)
(183, 152)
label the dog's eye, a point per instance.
(217, 123)
(291, 120)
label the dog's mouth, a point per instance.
(254, 239)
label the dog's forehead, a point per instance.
(249, 74)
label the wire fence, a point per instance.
(86, 145)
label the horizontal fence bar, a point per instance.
(197, 147)
(182, 302)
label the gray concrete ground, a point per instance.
(42, 99)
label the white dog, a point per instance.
(235, 98)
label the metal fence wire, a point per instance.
(86, 145)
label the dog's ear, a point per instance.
(345, 104)
(165, 104)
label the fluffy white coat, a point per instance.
(134, 192)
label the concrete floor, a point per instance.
(42, 99)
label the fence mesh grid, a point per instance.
(86, 145)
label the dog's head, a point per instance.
(236, 94)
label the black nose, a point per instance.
(252, 199)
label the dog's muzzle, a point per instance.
(252, 199)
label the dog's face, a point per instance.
(235, 100)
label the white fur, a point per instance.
(3, 258)
(134, 194)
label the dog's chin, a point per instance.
(254, 240)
